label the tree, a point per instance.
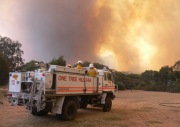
(99, 66)
(60, 61)
(149, 75)
(86, 64)
(4, 70)
(31, 66)
(165, 73)
(176, 66)
(176, 69)
(11, 50)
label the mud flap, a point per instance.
(57, 109)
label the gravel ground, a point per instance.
(130, 109)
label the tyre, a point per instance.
(108, 104)
(69, 110)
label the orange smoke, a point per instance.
(137, 35)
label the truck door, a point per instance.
(90, 84)
(107, 83)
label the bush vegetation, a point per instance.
(166, 79)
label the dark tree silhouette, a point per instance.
(11, 50)
(60, 61)
(4, 70)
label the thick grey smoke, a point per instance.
(129, 35)
(59, 27)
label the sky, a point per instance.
(126, 35)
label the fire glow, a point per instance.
(130, 40)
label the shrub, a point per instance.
(121, 86)
(4, 70)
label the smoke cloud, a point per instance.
(127, 35)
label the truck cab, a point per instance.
(106, 80)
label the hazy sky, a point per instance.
(127, 35)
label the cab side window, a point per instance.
(107, 77)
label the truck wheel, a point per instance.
(69, 110)
(108, 104)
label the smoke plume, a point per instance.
(127, 35)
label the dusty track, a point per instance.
(130, 109)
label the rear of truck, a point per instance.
(19, 87)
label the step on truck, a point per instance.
(63, 90)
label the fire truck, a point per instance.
(62, 90)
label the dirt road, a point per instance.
(130, 109)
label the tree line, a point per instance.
(166, 79)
